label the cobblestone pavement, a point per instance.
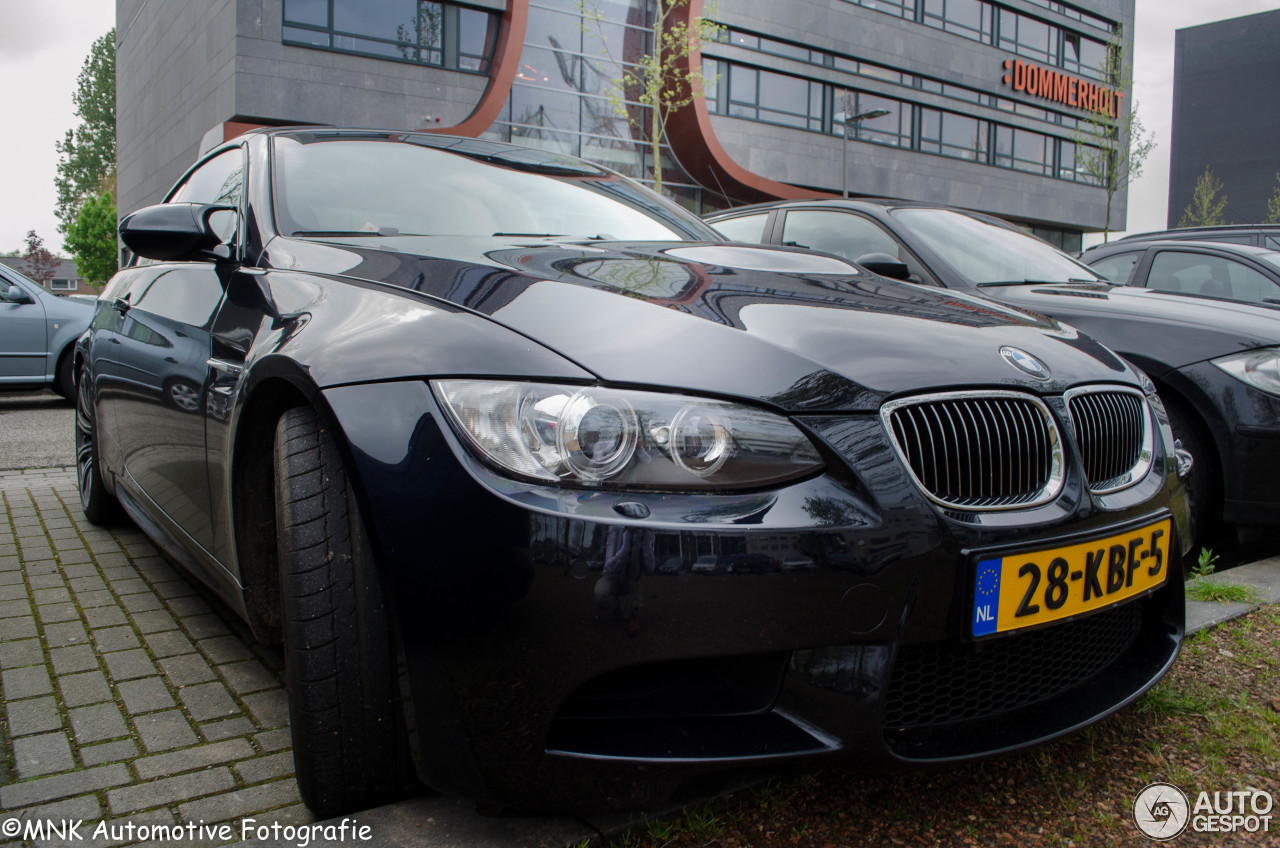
(130, 693)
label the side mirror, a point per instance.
(178, 231)
(884, 265)
(13, 293)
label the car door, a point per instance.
(165, 347)
(848, 234)
(1203, 273)
(23, 333)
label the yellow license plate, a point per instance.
(1027, 589)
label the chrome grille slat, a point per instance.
(978, 450)
(1114, 433)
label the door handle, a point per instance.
(228, 368)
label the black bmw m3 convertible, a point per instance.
(558, 501)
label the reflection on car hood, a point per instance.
(1173, 330)
(799, 330)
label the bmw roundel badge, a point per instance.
(1025, 362)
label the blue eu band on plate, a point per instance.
(1022, 590)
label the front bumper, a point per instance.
(560, 656)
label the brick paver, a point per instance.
(129, 691)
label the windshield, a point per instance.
(400, 185)
(988, 253)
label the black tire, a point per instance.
(349, 744)
(99, 505)
(1203, 495)
(64, 378)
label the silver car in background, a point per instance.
(37, 330)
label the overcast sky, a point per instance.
(45, 44)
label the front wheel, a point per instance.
(349, 744)
(1202, 482)
(99, 505)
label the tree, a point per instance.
(87, 161)
(38, 263)
(659, 80)
(91, 238)
(1205, 208)
(1112, 148)
(1273, 204)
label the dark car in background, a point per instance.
(37, 332)
(1216, 364)
(495, 441)
(1258, 235)
(1195, 268)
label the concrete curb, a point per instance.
(1263, 577)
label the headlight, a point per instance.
(592, 436)
(1258, 368)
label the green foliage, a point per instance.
(1207, 563)
(1212, 590)
(1273, 204)
(661, 80)
(91, 238)
(1112, 150)
(1205, 208)
(702, 824)
(87, 161)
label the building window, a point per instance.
(949, 134)
(62, 284)
(991, 23)
(820, 58)
(419, 31)
(970, 18)
(1028, 37)
(1068, 241)
(1022, 150)
(772, 98)
(893, 129)
(739, 91)
(1075, 14)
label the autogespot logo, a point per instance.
(1161, 811)
(1025, 362)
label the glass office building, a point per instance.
(985, 101)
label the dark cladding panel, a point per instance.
(1226, 114)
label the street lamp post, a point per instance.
(849, 121)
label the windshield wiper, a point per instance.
(1039, 282)
(597, 237)
(383, 232)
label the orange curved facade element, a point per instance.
(502, 72)
(694, 143)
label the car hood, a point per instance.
(801, 331)
(1159, 331)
